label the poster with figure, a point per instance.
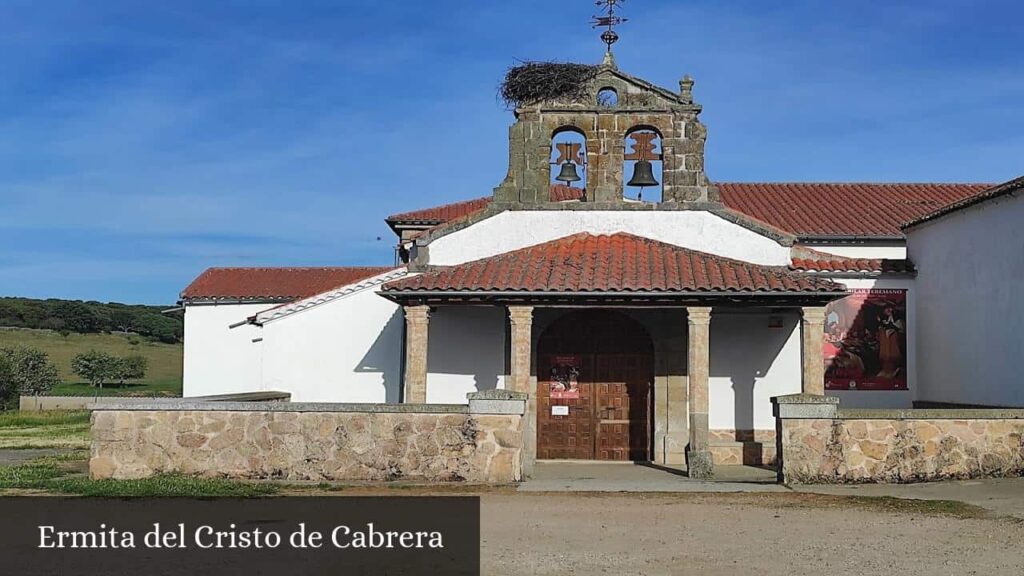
(866, 341)
(565, 377)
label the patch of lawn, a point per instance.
(55, 474)
(170, 387)
(57, 429)
(29, 475)
(889, 504)
(18, 419)
(164, 486)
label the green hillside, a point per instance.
(165, 360)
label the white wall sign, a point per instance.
(559, 410)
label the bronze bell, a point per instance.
(643, 174)
(568, 173)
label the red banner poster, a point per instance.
(565, 374)
(866, 341)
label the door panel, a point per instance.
(571, 436)
(610, 418)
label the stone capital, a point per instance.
(520, 314)
(813, 315)
(417, 313)
(698, 315)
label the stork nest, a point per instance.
(533, 82)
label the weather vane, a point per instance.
(610, 21)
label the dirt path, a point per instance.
(732, 535)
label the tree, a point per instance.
(7, 385)
(29, 371)
(123, 320)
(95, 366)
(132, 367)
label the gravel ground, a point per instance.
(737, 534)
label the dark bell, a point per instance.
(568, 173)
(643, 174)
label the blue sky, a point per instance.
(141, 142)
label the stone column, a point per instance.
(521, 319)
(699, 463)
(417, 322)
(813, 338)
(520, 379)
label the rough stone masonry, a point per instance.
(329, 443)
(820, 444)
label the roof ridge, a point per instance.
(300, 268)
(989, 193)
(399, 215)
(848, 183)
(571, 238)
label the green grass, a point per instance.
(163, 486)
(55, 475)
(57, 429)
(163, 376)
(150, 387)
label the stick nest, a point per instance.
(533, 82)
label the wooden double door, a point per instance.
(605, 414)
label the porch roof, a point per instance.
(621, 266)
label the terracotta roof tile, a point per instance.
(1012, 187)
(856, 265)
(274, 284)
(440, 214)
(805, 210)
(611, 263)
(841, 209)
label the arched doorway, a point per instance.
(595, 374)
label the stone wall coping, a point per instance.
(931, 414)
(267, 396)
(497, 402)
(805, 399)
(498, 395)
(805, 406)
(186, 405)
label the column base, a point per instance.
(674, 448)
(699, 464)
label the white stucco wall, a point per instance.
(220, 359)
(750, 363)
(346, 350)
(465, 352)
(696, 230)
(970, 269)
(872, 252)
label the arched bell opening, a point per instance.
(643, 167)
(595, 388)
(568, 164)
(607, 97)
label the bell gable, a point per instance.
(630, 133)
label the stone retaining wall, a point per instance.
(821, 444)
(481, 443)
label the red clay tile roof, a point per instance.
(273, 284)
(804, 210)
(857, 265)
(806, 259)
(816, 210)
(1011, 187)
(440, 214)
(611, 263)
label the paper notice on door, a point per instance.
(559, 410)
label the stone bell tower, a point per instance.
(607, 108)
